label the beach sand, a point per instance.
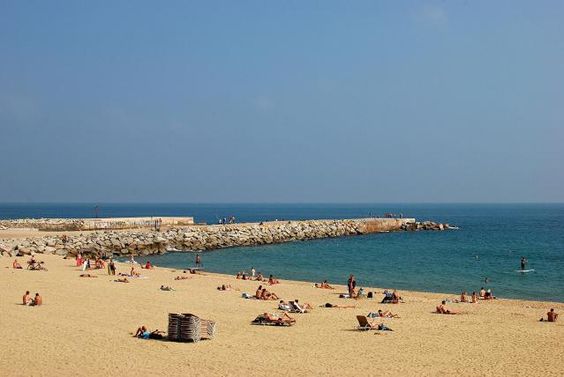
(85, 328)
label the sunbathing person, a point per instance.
(87, 276)
(38, 300)
(122, 280)
(382, 314)
(305, 305)
(282, 319)
(238, 275)
(323, 285)
(143, 333)
(182, 277)
(474, 297)
(441, 309)
(489, 295)
(329, 305)
(166, 288)
(224, 287)
(148, 265)
(16, 265)
(134, 273)
(266, 295)
(463, 297)
(272, 280)
(482, 293)
(258, 293)
(27, 300)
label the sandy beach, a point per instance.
(85, 328)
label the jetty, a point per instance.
(157, 235)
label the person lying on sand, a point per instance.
(224, 287)
(87, 276)
(182, 278)
(382, 314)
(122, 280)
(304, 305)
(283, 318)
(329, 305)
(323, 285)
(166, 288)
(16, 265)
(143, 333)
(441, 309)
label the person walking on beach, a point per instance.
(523, 263)
(112, 267)
(198, 260)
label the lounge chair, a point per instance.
(364, 324)
(296, 308)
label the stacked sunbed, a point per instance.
(187, 327)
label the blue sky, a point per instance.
(293, 101)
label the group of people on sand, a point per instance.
(264, 294)
(29, 301)
(323, 285)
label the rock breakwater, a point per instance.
(197, 237)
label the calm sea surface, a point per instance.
(490, 242)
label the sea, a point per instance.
(484, 252)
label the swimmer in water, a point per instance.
(486, 280)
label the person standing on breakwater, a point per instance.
(523, 263)
(198, 260)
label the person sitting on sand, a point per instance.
(16, 265)
(134, 273)
(329, 305)
(266, 295)
(482, 293)
(224, 287)
(182, 277)
(489, 295)
(463, 297)
(441, 309)
(121, 280)
(99, 263)
(27, 300)
(148, 265)
(552, 316)
(259, 277)
(323, 285)
(238, 275)
(272, 280)
(88, 276)
(474, 297)
(38, 300)
(258, 292)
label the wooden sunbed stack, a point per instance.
(188, 327)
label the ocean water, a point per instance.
(489, 243)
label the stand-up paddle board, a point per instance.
(525, 271)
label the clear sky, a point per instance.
(282, 101)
